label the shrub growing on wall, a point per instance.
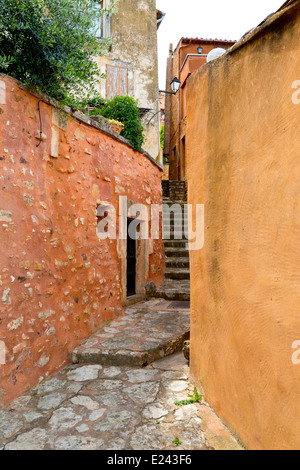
(51, 44)
(125, 110)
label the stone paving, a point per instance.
(124, 397)
(91, 407)
(173, 289)
(146, 332)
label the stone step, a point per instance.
(174, 215)
(168, 238)
(170, 203)
(175, 244)
(174, 236)
(178, 262)
(177, 223)
(177, 252)
(177, 217)
(177, 273)
(148, 331)
(172, 289)
(176, 230)
(134, 299)
(171, 235)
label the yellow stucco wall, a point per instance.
(243, 163)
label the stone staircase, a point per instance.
(174, 190)
(147, 331)
(176, 285)
(156, 328)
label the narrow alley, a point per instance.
(119, 406)
(149, 226)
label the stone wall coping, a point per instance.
(271, 23)
(80, 117)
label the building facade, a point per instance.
(131, 66)
(189, 55)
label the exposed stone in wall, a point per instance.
(58, 281)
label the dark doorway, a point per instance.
(182, 175)
(131, 263)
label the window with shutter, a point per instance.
(99, 29)
(116, 82)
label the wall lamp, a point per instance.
(175, 85)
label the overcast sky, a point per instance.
(221, 19)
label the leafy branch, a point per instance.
(51, 44)
(125, 110)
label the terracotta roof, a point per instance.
(205, 40)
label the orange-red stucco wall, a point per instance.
(243, 158)
(58, 281)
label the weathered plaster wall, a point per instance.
(58, 281)
(134, 36)
(243, 152)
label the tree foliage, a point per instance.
(51, 44)
(125, 110)
(162, 137)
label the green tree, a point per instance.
(125, 109)
(51, 44)
(162, 137)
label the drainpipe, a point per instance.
(179, 108)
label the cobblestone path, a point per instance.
(115, 407)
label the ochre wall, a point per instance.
(243, 158)
(58, 281)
